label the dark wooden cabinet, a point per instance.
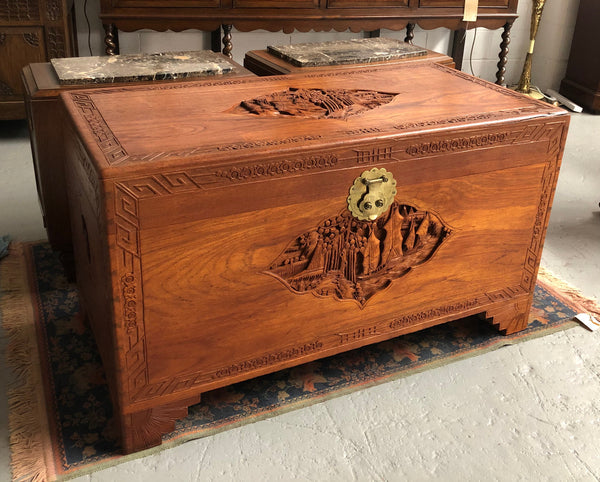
(31, 31)
(305, 15)
(582, 80)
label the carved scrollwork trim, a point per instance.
(53, 10)
(32, 39)
(457, 144)
(19, 10)
(483, 83)
(277, 168)
(483, 116)
(55, 43)
(5, 89)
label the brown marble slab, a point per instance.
(339, 52)
(140, 67)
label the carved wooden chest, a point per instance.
(232, 229)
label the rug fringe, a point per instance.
(25, 393)
(569, 293)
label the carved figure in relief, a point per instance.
(351, 259)
(314, 103)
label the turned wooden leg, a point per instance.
(111, 39)
(510, 316)
(409, 33)
(144, 429)
(503, 54)
(227, 45)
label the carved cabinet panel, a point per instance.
(31, 31)
(259, 223)
(18, 46)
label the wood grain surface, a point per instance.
(183, 204)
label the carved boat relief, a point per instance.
(314, 103)
(349, 259)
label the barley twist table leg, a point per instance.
(410, 27)
(503, 54)
(227, 45)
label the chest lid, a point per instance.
(206, 124)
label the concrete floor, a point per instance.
(526, 412)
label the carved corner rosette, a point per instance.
(353, 260)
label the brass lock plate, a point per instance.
(372, 194)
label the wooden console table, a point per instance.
(305, 15)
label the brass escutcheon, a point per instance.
(372, 194)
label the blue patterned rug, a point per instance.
(81, 434)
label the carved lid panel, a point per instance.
(142, 128)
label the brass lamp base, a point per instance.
(534, 94)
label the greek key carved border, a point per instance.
(484, 116)
(113, 152)
(553, 132)
(126, 230)
(488, 85)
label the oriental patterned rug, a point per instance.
(60, 416)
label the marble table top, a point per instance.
(338, 52)
(139, 67)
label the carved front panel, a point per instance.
(353, 260)
(241, 280)
(18, 47)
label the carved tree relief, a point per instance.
(315, 103)
(350, 259)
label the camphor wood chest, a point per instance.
(232, 229)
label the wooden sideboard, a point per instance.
(305, 15)
(30, 31)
